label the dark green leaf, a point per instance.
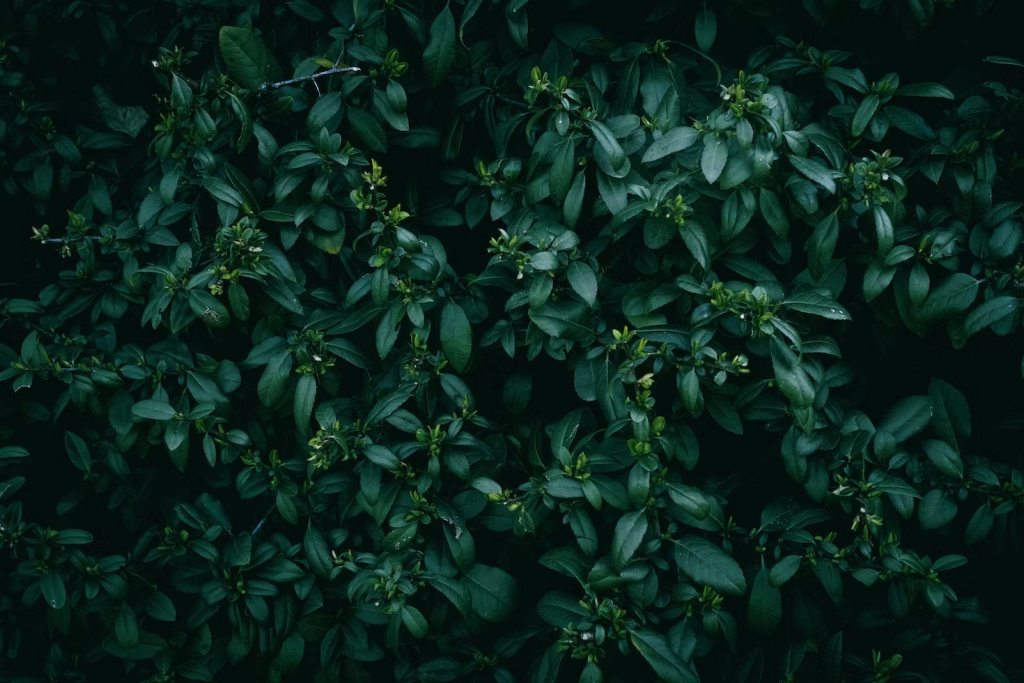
(250, 62)
(707, 564)
(440, 53)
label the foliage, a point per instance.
(407, 341)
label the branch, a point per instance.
(519, 104)
(311, 77)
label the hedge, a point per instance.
(400, 340)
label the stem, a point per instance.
(515, 103)
(329, 72)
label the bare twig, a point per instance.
(311, 77)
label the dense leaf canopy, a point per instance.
(469, 341)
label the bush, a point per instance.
(400, 340)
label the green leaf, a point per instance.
(126, 626)
(160, 607)
(493, 591)
(367, 129)
(250, 62)
(992, 311)
(814, 171)
(559, 609)
(936, 510)
(764, 610)
(440, 53)
(381, 457)
(816, 304)
(690, 499)
(239, 301)
(952, 296)
(876, 279)
(305, 398)
(945, 459)
(1007, 61)
(574, 199)
(611, 146)
(706, 27)
(11, 453)
(274, 379)
(867, 109)
(280, 570)
(629, 532)
(707, 564)
(675, 140)
(784, 570)
(980, 525)
(560, 175)
(926, 90)
(774, 213)
(517, 391)
(907, 418)
(821, 245)
(78, 451)
(52, 586)
(414, 621)
(456, 336)
(667, 665)
(583, 281)
(883, 229)
(564, 320)
(723, 412)
(909, 122)
(318, 554)
(951, 418)
(153, 410)
(693, 397)
(713, 158)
